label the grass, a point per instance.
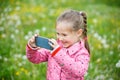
(20, 19)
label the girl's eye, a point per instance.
(61, 34)
(64, 35)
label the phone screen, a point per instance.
(43, 42)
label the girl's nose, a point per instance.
(60, 38)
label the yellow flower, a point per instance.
(17, 73)
(3, 79)
(24, 70)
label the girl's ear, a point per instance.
(79, 32)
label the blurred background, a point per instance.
(20, 19)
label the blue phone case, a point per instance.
(43, 42)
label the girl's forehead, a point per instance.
(64, 25)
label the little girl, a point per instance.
(70, 56)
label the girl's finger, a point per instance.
(50, 44)
(36, 35)
(33, 39)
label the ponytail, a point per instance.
(87, 46)
(85, 30)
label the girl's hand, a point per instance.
(53, 43)
(32, 41)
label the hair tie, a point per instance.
(80, 12)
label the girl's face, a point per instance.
(66, 34)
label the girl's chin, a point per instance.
(66, 46)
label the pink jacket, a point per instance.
(67, 64)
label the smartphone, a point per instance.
(43, 42)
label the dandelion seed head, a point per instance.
(105, 45)
(95, 21)
(30, 33)
(118, 64)
(111, 52)
(100, 77)
(99, 38)
(103, 41)
(19, 64)
(5, 59)
(110, 79)
(16, 31)
(26, 37)
(24, 57)
(96, 35)
(34, 21)
(3, 35)
(44, 29)
(17, 8)
(12, 36)
(15, 17)
(18, 23)
(1, 28)
(37, 31)
(18, 55)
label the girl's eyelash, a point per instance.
(64, 35)
(61, 34)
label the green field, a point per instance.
(20, 19)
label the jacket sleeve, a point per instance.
(75, 66)
(36, 55)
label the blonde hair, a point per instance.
(79, 21)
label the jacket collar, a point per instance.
(74, 48)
